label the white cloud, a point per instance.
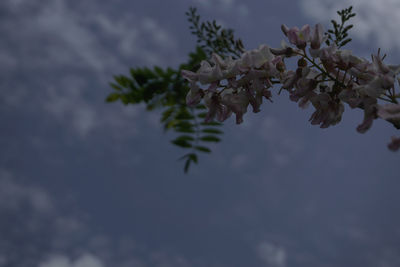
(271, 254)
(62, 23)
(389, 257)
(284, 144)
(70, 53)
(68, 105)
(376, 21)
(148, 41)
(37, 226)
(74, 30)
(85, 260)
(3, 260)
(225, 6)
(61, 36)
(159, 35)
(239, 161)
(13, 195)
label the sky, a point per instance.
(84, 183)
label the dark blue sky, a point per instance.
(89, 184)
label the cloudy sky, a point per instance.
(89, 184)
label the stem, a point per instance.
(197, 132)
(319, 68)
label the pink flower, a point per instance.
(379, 67)
(257, 57)
(304, 91)
(297, 37)
(391, 113)
(237, 103)
(230, 67)
(318, 36)
(208, 74)
(394, 145)
(327, 57)
(328, 111)
(285, 50)
(351, 97)
(216, 108)
(289, 79)
(194, 95)
(369, 105)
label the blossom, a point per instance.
(328, 111)
(216, 108)
(195, 94)
(394, 145)
(304, 91)
(230, 67)
(374, 88)
(238, 103)
(370, 109)
(296, 36)
(391, 113)
(318, 36)
(205, 74)
(379, 67)
(256, 58)
(331, 78)
(351, 97)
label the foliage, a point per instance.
(339, 31)
(166, 89)
(213, 38)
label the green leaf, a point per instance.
(173, 123)
(167, 113)
(202, 115)
(201, 107)
(181, 143)
(212, 131)
(123, 81)
(184, 114)
(210, 138)
(185, 138)
(184, 130)
(187, 165)
(203, 149)
(211, 123)
(113, 97)
(345, 42)
(159, 71)
(184, 124)
(193, 157)
(124, 99)
(116, 87)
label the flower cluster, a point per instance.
(326, 77)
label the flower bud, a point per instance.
(280, 66)
(289, 52)
(302, 63)
(285, 29)
(299, 72)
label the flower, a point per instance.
(256, 58)
(296, 36)
(318, 36)
(394, 145)
(370, 108)
(237, 103)
(391, 113)
(216, 108)
(194, 95)
(328, 111)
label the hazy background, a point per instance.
(89, 184)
